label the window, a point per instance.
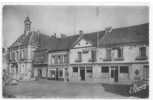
(142, 51)
(65, 59)
(22, 54)
(120, 52)
(79, 56)
(60, 73)
(10, 56)
(124, 69)
(146, 72)
(16, 55)
(53, 59)
(13, 55)
(93, 55)
(89, 69)
(75, 69)
(58, 59)
(104, 69)
(61, 59)
(108, 53)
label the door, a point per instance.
(56, 74)
(82, 73)
(52, 74)
(114, 73)
(146, 72)
(39, 73)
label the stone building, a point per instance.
(21, 52)
(83, 56)
(40, 60)
(58, 57)
(5, 59)
(111, 55)
(123, 54)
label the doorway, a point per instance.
(114, 73)
(39, 73)
(82, 73)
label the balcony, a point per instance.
(141, 58)
(78, 60)
(107, 59)
(119, 59)
(12, 60)
(92, 60)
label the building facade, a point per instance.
(21, 52)
(83, 56)
(58, 65)
(124, 54)
(58, 57)
(112, 55)
(40, 63)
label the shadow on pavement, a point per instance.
(117, 89)
(124, 90)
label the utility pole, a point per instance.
(97, 14)
(75, 20)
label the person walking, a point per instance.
(67, 75)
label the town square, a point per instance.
(75, 51)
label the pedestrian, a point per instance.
(67, 75)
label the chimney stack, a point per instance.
(80, 32)
(55, 35)
(63, 35)
(108, 29)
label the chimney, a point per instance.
(108, 29)
(63, 36)
(55, 35)
(80, 32)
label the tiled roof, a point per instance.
(22, 40)
(66, 43)
(92, 37)
(58, 44)
(33, 38)
(132, 34)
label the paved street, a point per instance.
(53, 89)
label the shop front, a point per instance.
(100, 72)
(56, 73)
(115, 72)
(40, 71)
(81, 72)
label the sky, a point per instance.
(69, 19)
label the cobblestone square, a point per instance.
(60, 89)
